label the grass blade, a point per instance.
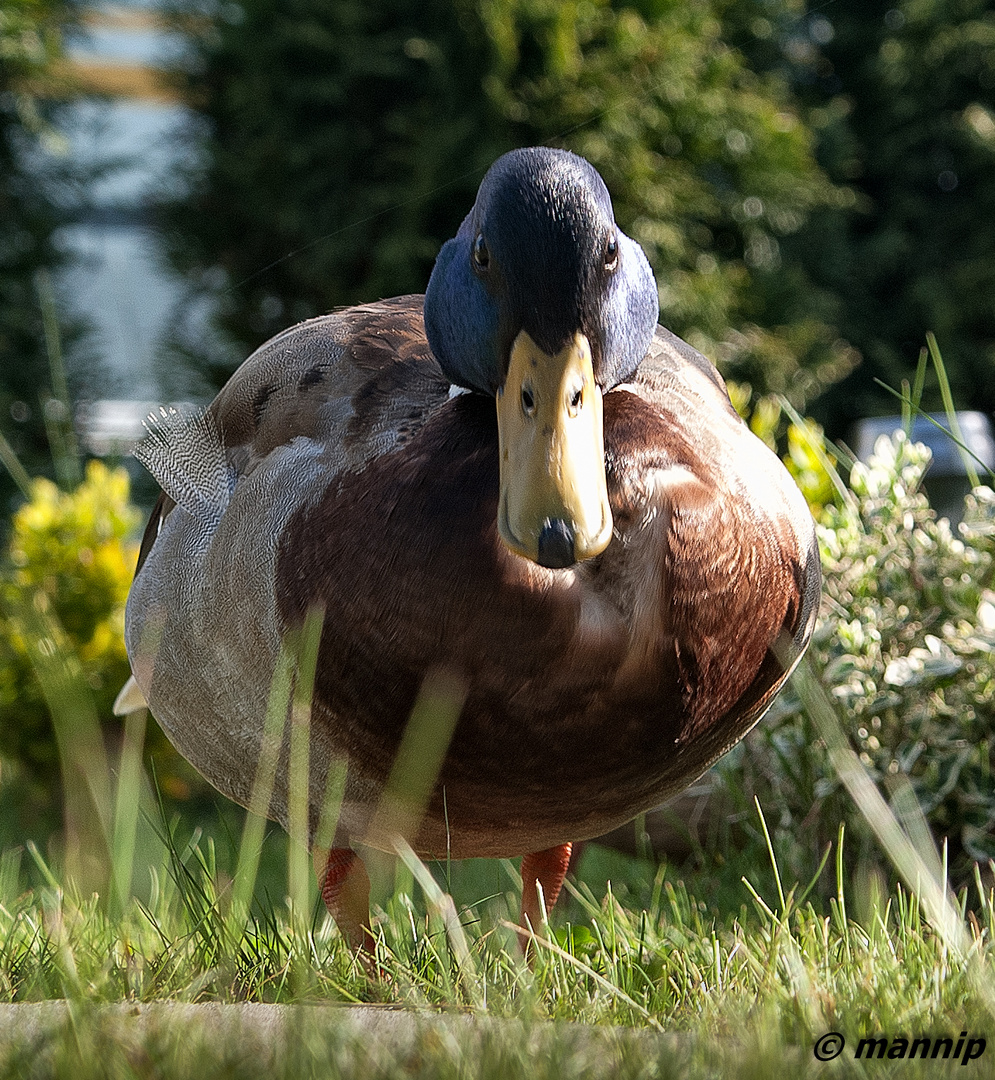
(419, 757)
(442, 905)
(915, 398)
(299, 799)
(818, 448)
(604, 983)
(11, 462)
(126, 810)
(58, 410)
(253, 833)
(964, 448)
(85, 773)
(907, 860)
(772, 857)
(948, 406)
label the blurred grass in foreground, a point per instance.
(749, 988)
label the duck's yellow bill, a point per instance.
(553, 506)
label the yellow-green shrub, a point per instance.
(76, 549)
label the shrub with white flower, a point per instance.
(905, 645)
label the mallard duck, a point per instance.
(518, 484)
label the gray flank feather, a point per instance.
(182, 450)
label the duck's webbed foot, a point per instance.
(545, 870)
(345, 888)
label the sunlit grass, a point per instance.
(753, 980)
(766, 979)
(750, 983)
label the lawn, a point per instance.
(640, 974)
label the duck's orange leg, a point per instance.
(345, 888)
(548, 868)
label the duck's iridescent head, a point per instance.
(541, 301)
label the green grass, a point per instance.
(740, 985)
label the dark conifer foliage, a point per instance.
(343, 141)
(902, 97)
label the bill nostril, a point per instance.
(556, 545)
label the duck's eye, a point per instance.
(481, 256)
(611, 254)
(528, 401)
(576, 400)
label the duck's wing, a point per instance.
(317, 404)
(360, 378)
(359, 381)
(690, 393)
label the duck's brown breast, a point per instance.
(592, 693)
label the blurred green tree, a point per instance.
(341, 140)
(902, 96)
(30, 45)
(344, 141)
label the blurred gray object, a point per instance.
(110, 428)
(946, 481)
